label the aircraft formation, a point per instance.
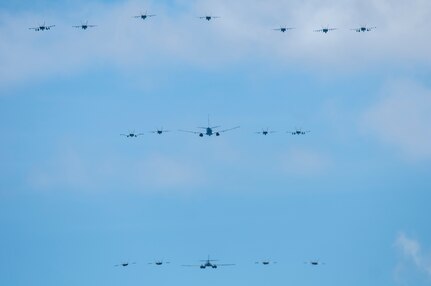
(208, 17)
(211, 131)
(214, 263)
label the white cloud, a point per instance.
(412, 252)
(401, 118)
(243, 33)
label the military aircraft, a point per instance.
(265, 262)
(298, 132)
(144, 16)
(159, 131)
(132, 134)
(325, 30)
(209, 263)
(314, 262)
(159, 262)
(363, 29)
(265, 131)
(208, 17)
(84, 26)
(124, 264)
(209, 131)
(42, 27)
(283, 29)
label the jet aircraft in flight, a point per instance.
(363, 29)
(84, 26)
(325, 30)
(283, 29)
(159, 131)
(132, 134)
(124, 264)
(209, 130)
(159, 262)
(144, 16)
(42, 27)
(266, 131)
(209, 17)
(209, 263)
(298, 132)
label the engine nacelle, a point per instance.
(217, 134)
(201, 135)
(214, 266)
(202, 267)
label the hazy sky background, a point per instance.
(77, 198)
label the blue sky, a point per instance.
(77, 198)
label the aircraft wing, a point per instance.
(188, 131)
(236, 127)
(191, 265)
(36, 29)
(151, 15)
(321, 30)
(226, 264)
(50, 26)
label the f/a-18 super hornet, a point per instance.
(42, 27)
(132, 134)
(159, 131)
(209, 263)
(159, 262)
(314, 262)
(363, 29)
(325, 30)
(266, 262)
(298, 132)
(124, 264)
(209, 130)
(144, 16)
(283, 29)
(209, 17)
(84, 26)
(265, 131)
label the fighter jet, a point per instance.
(209, 131)
(209, 263)
(159, 262)
(132, 134)
(283, 29)
(314, 262)
(42, 27)
(208, 17)
(298, 132)
(325, 30)
(124, 264)
(265, 131)
(84, 26)
(363, 29)
(144, 16)
(159, 131)
(265, 262)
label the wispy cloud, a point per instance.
(401, 118)
(244, 33)
(412, 252)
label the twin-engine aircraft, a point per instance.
(42, 27)
(209, 130)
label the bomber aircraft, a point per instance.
(84, 26)
(265, 262)
(124, 264)
(325, 30)
(298, 132)
(209, 263)
(132, 134)
(144, 16)
(42, 27)
(159, 262)
(314, 262)
(283, 29)
(159, 131)
(265, 131)
(209, 130)
(363, 29)
(209, 17)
